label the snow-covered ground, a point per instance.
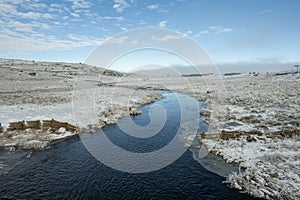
(264, 110)
(269, 161)
(267, 105)
(73, 93)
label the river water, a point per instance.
(68, 171)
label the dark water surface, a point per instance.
(68, 171)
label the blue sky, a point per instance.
(231, 31)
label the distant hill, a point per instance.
(227, 69)
(59, 68)
(163, 71)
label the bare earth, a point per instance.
(258, 115)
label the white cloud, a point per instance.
(226, 30)
(168, 37)
(76, 37)
(188, 33)
(75, 15)
(160, 8)
(119, 19)
(80, 4)
(54, 5)
(262, 12)
(16, 2)
(55, 8)
(117, 40)
(30, 15)
(120, 5)
(214, 29)
(26, 27)
(162, 23)
(103, 29)
(219, 29)
(29, 26)
(153, 7)
(201, 33)
(85, 39)
(34, 6)
(12, 42)
(48, 16)
(9, 11)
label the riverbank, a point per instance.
(259, 131)
(259, 115)
(35, 91)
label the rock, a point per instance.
(210, 135)
(205, 112)
(226, 135)
(237, 186)
(207, 121)
(32, 73)
(134, 111)
(255, 132)
(189, 138)
(287, 133)
(251, 138)
(101, 123)
(61, 130)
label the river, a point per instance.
(68, 171)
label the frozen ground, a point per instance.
(269, 155)
(73, 93)
(264, 111)
(267, 105)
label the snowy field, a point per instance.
(260, 117)
(72, 93)
(256, 118)
(267, 105)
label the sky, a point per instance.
(233, 32)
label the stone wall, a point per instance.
(34, 124)
(51, 125)
(17, 126)
(54, 125)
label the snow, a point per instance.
(269, 163)
(265, 103)
(65, 92)
(270, 166)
